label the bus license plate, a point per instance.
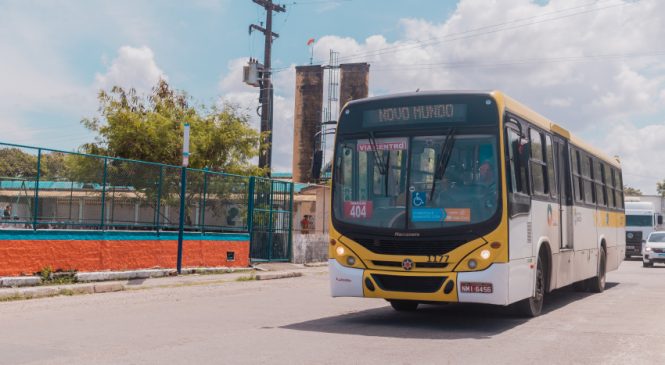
(482, 288)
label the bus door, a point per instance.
(565, 196)
(565, 259)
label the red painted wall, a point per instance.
(25, 257)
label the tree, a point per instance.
(627, 190)
(150, 129)
(660, 188)
(15, 164)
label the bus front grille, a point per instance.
(411, 284)
(388, 247)
(423, 265)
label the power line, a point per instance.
(504, 63)
(314, 2)
(465, 34)
(476, 32)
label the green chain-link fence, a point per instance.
(48, 189)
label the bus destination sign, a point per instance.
(429, 113)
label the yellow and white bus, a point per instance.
(468, 197)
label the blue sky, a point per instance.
(596, 67)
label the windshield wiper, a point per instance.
(444, 158)
(378, 161)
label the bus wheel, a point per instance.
(597, 283)
(531, 307)
(404, 305)
(647, 264)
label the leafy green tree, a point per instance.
(53, 166)
(16, 164)
(627, 190)
(151, 128)
(660, 188)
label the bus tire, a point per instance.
(404, 305)
(597, 283)
(531, 307)
(647, 264)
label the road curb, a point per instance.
(282, 275)
(316, 264)
(11, 294)
(97, 276)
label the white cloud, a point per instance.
(643, 154)
(572, 63)
(559, 102)
(588, 67)
(132, 68)
(234, 91)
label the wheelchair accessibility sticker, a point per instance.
(418, 199)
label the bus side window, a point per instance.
(618, 189)
(586, 176)
(518, 171)
(609, 192)
(577, 175)
(538, 167)
(600, 183)
(551, 167)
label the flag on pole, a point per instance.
(310, 41)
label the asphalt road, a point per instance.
(294, 321)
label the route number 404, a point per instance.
(358, 209)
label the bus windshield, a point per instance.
(639, 220)
(418, 182)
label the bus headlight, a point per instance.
(485, 254)
(647, 249)
(472, 264)
(340, 251)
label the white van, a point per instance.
(653, 250)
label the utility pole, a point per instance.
(266, 92)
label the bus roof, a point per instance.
(520, 109)
(513, 106)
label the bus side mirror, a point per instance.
(317, 162)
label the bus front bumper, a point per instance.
(488, 286)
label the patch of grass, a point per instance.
(57, 277)
(12, 298)
(246, 278)
(67, 292)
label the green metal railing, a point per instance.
(47, 188)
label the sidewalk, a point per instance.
(268, 271)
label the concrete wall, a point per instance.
(354, 82)
(310, 247)
(306, 119)
(26, 252)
